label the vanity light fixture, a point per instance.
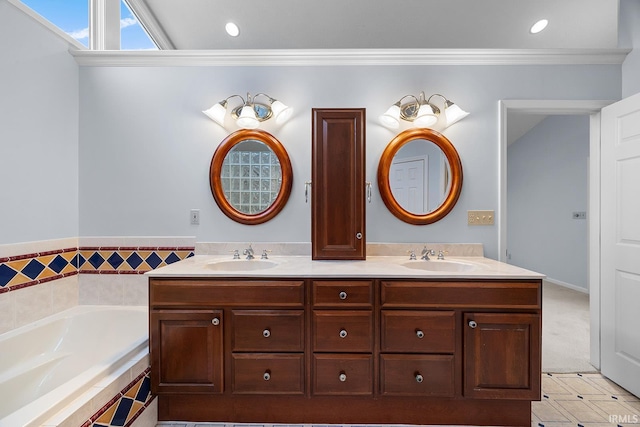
(250, 113)
(421, 112)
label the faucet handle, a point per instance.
(236, 254)
(264, 254)
(412, 255)
(426, 252)
(441, 254)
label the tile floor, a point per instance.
(569, 400)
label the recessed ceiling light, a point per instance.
(232, 29)
(539, 26)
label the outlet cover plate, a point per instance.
(481, 217)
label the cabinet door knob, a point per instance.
(472, 324)
(342, 295)
(419, 333)
(419, 378)
(215, 321)
(266, 333)
(342, 377)
(343, 333)
(359, 236)
(266, 376)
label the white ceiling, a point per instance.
(380, 24)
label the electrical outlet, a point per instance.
(195, 216)
(480, 217)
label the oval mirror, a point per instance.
(250, 176)
(420, 176)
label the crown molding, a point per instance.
(318, 57)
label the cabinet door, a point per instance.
(186, 351)
(502, 356)
(338, 192)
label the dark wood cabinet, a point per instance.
(187, 353)
(502, 355)
(338, 180)
(325, 351)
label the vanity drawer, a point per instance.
(267, 330)
(171, 293)
(417, 375)
(342, 331)
(342, 374)
(418, 331)
(496, 294)
(258, 373)
(348, 294)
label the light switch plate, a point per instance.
(481, 217)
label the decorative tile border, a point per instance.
(129, 260)
(126, 406)
(21, 271)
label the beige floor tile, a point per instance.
(582, 411)
(579, 386)
(546, 412)
(552, 386)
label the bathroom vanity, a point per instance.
(386, 340)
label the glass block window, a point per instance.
(251, 177)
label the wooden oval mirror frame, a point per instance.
(215, 180)
(385, 166)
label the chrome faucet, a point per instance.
(248, 252)
(426, 252)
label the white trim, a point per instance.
(566, 285)
(594, 236)
(559, 107)
(150, 24)
(312, 57)
(74, 44)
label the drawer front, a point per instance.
(349, 294)
(255, 373)
(342, 331)
(417, 375)
(513, 294)
(172, 293)
(418, 331)
(267, 330)
(336, 374)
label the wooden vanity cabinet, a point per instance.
(324, 351)
(338, 184)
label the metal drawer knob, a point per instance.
(419, 333)
(419, 378)
(342, 295)
(267, 376)
(472, 324)
(215, 321)
(342, 377)
(343, 333)
(359, 236)
(266, 333)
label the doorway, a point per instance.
(541, 109)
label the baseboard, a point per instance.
(567, 285)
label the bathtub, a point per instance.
(47, 364)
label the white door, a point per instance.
(620, 244)
(407, 180)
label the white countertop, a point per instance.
(382, 267)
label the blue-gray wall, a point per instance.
(145, 146)
(630, 38)
(38, 131)
(547, 180)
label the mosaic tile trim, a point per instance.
(21, 271)
(130, 259)
(126, 406)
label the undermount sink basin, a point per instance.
(241, 265)
(440, 265)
